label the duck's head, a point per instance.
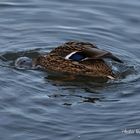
(24, 63)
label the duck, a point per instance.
(78, 58)
(74, 58)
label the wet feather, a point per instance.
(79, 58)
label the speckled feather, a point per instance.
(55, 61)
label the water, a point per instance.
(36, 105)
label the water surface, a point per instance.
(35, 105)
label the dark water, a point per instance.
(35, 105)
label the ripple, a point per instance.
(15, 5)
(40, 105)
(128, 72)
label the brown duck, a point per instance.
(78, 58)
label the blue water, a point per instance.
(36, 105)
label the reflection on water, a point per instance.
(40, 105)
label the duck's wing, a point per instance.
(91, 53)
(95, 53)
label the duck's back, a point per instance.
(80, 58)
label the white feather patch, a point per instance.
(110, 77)
(69, 55)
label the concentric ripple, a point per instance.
(39, 105)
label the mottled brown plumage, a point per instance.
(92, 65)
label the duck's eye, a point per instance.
(76, 56)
